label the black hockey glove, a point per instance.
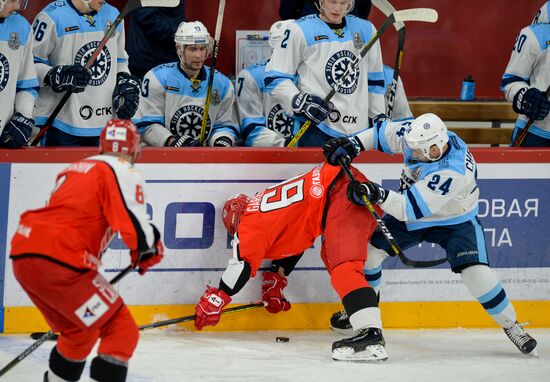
(182, 141)
(73, 78)
(341, 148)
(222, 142)
(374, 193)
(126, 95)
(312, 107)
(532, 102)
(17, 131)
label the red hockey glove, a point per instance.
(272, 292)
(209, 309)
(147, 259)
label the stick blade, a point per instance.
(427, 15)
(159, 3)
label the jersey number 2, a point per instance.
(444, 188)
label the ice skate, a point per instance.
(366, 346)
(525, 343)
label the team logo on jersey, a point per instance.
(279, 121)
(101, 67)
(90, 20)
(4, 71)
(187, 120)
(358, 42)
(336, 66)
(109, 24)
(14, 42)
(91, 310)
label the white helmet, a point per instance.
(277, 31)
(192, 33)
(424, 132)
(320, 6)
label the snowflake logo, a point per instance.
(336, 66)
(279, 121)
(102, 65)
(187, 120)
(4, 71)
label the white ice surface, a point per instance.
(414, 355)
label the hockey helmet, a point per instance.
(193, 33)
(122, 137)
(233, 209)
(277, 31)
(424, 132)
(350, 6)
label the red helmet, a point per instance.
(120, 136)
(233, 209)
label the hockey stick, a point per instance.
(414, 14)
(386, 8)
(521, 137)
(219, 22)
(50, 334)
(387, 234)
(130, 6)
(192, 317)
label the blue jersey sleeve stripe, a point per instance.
(508, 79)
(38, 60)
(381, 141)
(27, 84)
(420, 201)
(412, 207)
(149, 120)
(246, 122)
(274, 78)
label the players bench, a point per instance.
(496, 112)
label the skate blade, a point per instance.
(373, 353)
(345, 332)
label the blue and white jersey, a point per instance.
(263, 120)
(529, 66)
(542, 14)
(437, 193)
(401, 110)
(18, 82)
(311, 57)
(64, 36)
(174, 102)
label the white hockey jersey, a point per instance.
(437, 193)
(263, 120)
(313, 56)
(64, 36)
(542, 14)
(18, 82)
(401, 110)
(171, 99)
(529, 66)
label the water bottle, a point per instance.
(468, 87)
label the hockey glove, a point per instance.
(126, 95)
(146, 259)
(342, 148)
(73, 78)
(532, 102)
(182, 141)
(209, 309)
(222, 142)
(17, 131)
(272, 292)
(312, 107)
(374, 193)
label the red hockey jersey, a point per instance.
(92, 200)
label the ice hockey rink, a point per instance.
(414, 355)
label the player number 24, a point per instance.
(445, 186)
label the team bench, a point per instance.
(495, 112)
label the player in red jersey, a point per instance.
(57, 250)
(284, 220)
